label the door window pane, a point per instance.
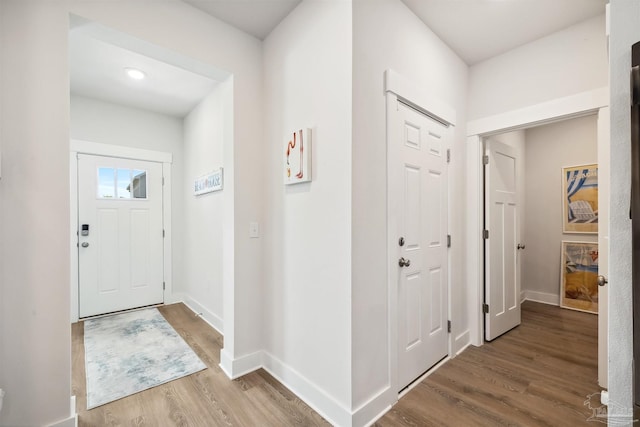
(106, 181)
(139, 184)
(124, 184)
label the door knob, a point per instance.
(85, 244)
(602, 281)
(520, 246)
(404, 262)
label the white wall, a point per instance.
(625, 30)
(107, 123)
(386, 34)
(570, 61)
(307, 228)
(202, 280)
(34, 100)
(548, 149)
(35, 356)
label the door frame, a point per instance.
(398, 88)
(99, 149)
(582, 104)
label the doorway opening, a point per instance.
(528, 257)
(591, 103)
(180, 107)
(176, 125)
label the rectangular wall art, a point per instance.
(297, 157)
(579, 277)
(207, 183)
(580, 199)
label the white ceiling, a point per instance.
(97, 71)
(475, 29)
(256, 17)
(481, 29)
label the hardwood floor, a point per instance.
(538, 374)
(207, 398)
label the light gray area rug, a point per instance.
(130, 352)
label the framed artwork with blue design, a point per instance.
(580, 199)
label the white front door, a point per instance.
(120, 234)
(418, 196)
(502, 272)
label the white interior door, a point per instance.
(603, 244)
(120, 234)
(502, 272)
(418, 182)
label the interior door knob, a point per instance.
(602, 280)
(404, 262)
(85, 244)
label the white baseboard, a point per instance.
(226, 363)
(72, 408)
(371, 411)
(235, 368)
(307, 391)
(543, 297)
(310, 393)
(173, 297)
(461, 342)
(72, 421)
(69, 422)
(210, 317)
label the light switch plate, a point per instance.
(254, 230)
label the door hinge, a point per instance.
(163, 180)
(485, 160)
(163, 233)
(164, 286)
(449, 326)
(448, 155)
(448, 240)
(485, 234)
(485, 308)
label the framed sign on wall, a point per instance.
(207, 183)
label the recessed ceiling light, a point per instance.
(135, 74)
